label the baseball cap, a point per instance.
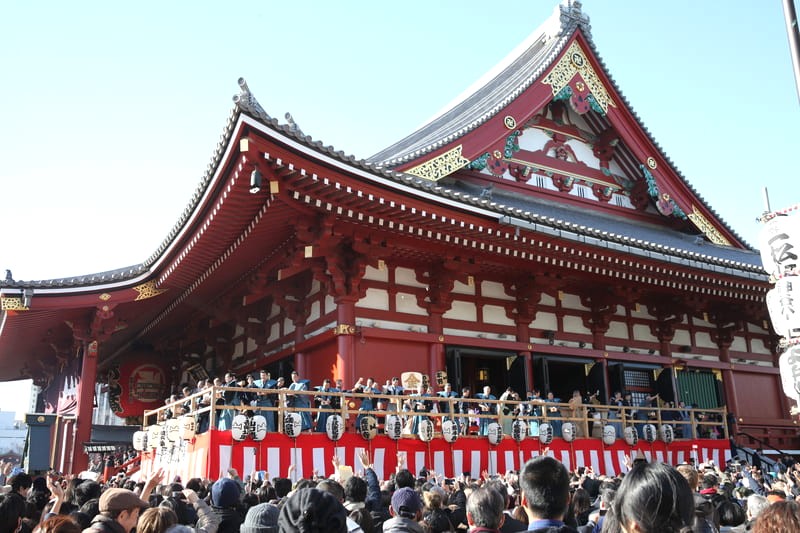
(120, 500)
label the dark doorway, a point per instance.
(475, 368)
(561, 376)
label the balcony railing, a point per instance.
(589, 419)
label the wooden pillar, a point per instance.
(83, 422)
(528, 357)
(345, 340)
(724, 338)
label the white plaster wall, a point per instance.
(238, 350)
(532, 139)
(494, 314)
(757, 346)
(617, 330)
(492, 289)
(572, 301)
(545, 321)
(314, 313)
(407, 303)
(274, 310)
(251, 345)
(682, 337)
(548, 300)
(755, 328)
(574, 324)
(375, 274)
(739, 344)
(375, 299)
(641, 332)
(643, 312)
(274, 331)
(703, 340)
(584, 153)
(238, 330)
(330, 304)
(406, 276)
(461, 310)
(316, 286)
(463, 288)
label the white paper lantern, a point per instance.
(568, 431)
(173, 428)
(368, 427)
(789, 365)
(494, 433)
(425, 430)
(188, 427)
(779, 243)
(649, 432)
(239, 427)
(630, 435)
(519, 429)
(666, 433)
(292, 425)
(139, 440)
(258, 428)
(783, 304)
(545, 433)
(334, 427)
(393, 427)
(153, 436)
(609, 434)
(449, 431)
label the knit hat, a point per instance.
(225, 493)
(312, 510)
(406, 500)
(261, 518)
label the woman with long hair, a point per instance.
(653, 498)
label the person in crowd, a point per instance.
(544, 483)
(406, 511)
(225, 498)
(779, 517)
(310, 510)
(486, 408)
(435, 517)
(264, 400)
(156, 520)
(118, 512)
(652, 498)
(705, 518)
(485, 510)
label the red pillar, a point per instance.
(345, 360)
(83, 422)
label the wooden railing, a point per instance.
(588, 418)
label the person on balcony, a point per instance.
(263, 399)
(554, 413)
(465, 409)
(324, 403)
(447, 406)
(418, 404)
(300, 401)
(367, 402)
(486, 408)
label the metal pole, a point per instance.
(793, 32)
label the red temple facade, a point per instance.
(533, 235)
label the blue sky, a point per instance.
(109, 113)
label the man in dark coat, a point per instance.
(545, 495)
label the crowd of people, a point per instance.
(472, 412)
(542, 497)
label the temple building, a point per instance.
(533, 235)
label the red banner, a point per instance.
(213, 453)
(138, 384)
